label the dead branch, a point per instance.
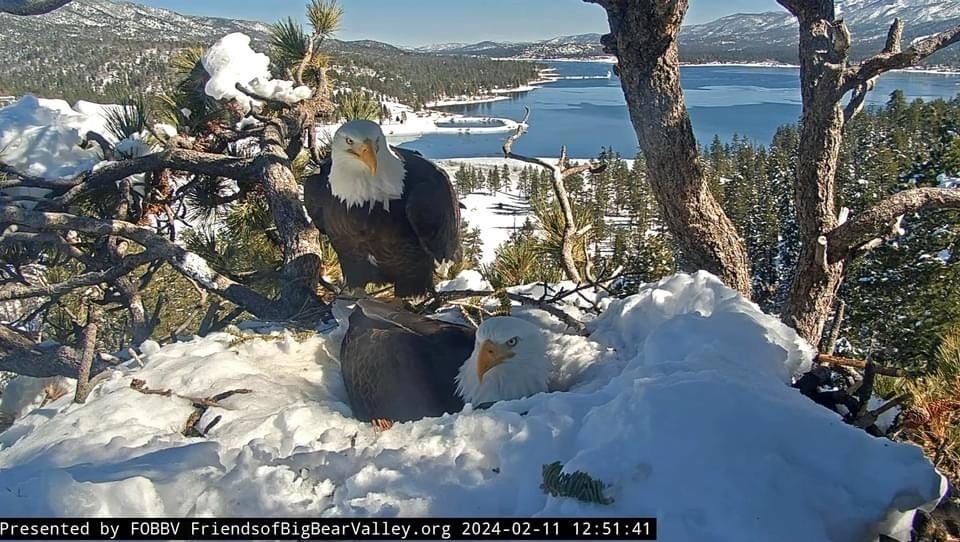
(894, 59)
(125, 267)
(570, 321)
(858, 99)
(831, 345)
(869, 224)
(111, 172)
(558, 173)
(88, 351)
(200, 405)
(828, 359)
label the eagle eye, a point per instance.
(513, 342)
(349, 141)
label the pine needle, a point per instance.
(578, 485)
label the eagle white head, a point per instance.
(509, 361)
(363, 167)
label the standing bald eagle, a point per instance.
(398, 366)
(390, 214)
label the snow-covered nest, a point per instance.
(679, 400)
(230, 61)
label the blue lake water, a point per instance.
(588, 111)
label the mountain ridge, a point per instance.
(750, 37)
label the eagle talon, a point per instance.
(380, 425)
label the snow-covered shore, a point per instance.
(497, 94)
(413, 124)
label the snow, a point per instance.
(428, 122)
(467, 279)
(947, 181)
(42, 137)
(679, 400)
(231, 61)
(497, 215)
(47, 138)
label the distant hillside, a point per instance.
(751, 37)
(92, 48)
(773, 35)
(579, 46)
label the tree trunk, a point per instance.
(816, 279)
(300, 239)
(644, 39)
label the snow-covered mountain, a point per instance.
(125, 20)
(772, 35)
(744, 37)
(578, 46)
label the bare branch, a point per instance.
(894, 60)
(894, 37)
(508, 145)
(827, 359)
(109, 151)
(88, 352)
(858, 99)
(869, 224)
(546, 306)
(31, 7)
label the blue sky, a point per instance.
(420, 22)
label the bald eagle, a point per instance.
(390, 214)
(398, 366)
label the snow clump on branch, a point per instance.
(231, 61)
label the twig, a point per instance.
(88, 351)
(570, 321)
(861, 364)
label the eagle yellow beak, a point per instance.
(368, 155)
(491, 354)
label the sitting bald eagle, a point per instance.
(390, 214)
(398, 366)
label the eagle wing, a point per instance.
(315, 191)
(432, 207)
(402, 367)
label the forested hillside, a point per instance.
(95, 48)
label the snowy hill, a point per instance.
(578, 46)
(752, 37)
(773, 35)
(678, 402)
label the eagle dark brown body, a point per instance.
(400, 244)
(400, 366)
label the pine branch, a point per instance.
(186, 262)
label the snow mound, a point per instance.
(42, 137)
(230, 61)
(678, 400)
